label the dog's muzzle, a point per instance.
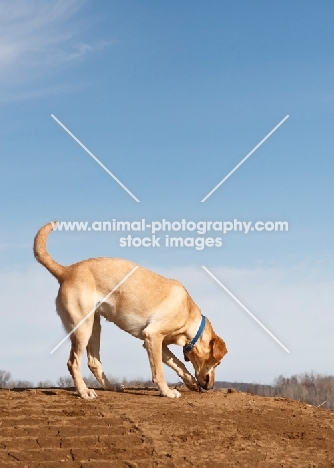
(207, 385)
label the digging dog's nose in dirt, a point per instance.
(207, 382)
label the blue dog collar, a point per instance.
(190, 346)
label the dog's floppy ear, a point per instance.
(218, 347)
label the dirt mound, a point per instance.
(137, 428)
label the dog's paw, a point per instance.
(193, 386)
(172, 393)
(88, 394)
(119, 388)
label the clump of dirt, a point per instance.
(137, 428)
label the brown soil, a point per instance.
(137, 428)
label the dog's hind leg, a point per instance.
(173, 362)
(79, 339)
(93, 354)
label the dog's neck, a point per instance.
(193, 328)
(189, 347)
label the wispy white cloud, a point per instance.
(28, 28)
(77, 51)
(38, 34)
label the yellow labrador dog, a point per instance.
(148, 306)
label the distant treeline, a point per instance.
(6, 381)
(314, 389)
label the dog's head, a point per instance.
(206, 356)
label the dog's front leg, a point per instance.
(178, 366)
(153, 346)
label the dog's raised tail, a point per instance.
(42, 255)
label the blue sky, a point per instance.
(170, 96)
